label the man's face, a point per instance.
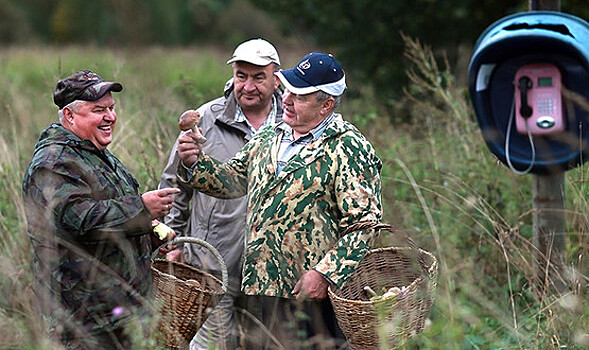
(94, 121)
(254, 85)
(303, 112)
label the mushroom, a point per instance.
(188, 121)
(369, 291)
(162, 230)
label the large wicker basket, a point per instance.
(185, 295)
(386, 321)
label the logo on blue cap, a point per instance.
(304, 65)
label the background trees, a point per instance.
(452, 196)
(365, 35)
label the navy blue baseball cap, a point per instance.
(317, 71)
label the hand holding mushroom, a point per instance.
(190, 143)
(188, 121)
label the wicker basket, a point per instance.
(185, 296)
(386, 321)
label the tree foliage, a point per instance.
(366, 34)
(112, 22)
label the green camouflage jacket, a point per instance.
(295, 219)
(89, 229)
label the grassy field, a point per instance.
(441, 185)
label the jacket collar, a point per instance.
(56, 134)
(312, 150)
(336, 127)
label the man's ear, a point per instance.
(67, 113)
(68, 116)
(327, 106)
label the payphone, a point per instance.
(538, 100)
(521, 67)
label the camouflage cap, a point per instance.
(83, 85)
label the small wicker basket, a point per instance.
(386, 321)
(185, 295)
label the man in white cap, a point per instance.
(307, 180)
(251, 100)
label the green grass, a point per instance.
(441, 185)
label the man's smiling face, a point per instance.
(93, 120)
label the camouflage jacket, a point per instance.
(295, 219)
(89, 230)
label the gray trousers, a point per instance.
(219, 331)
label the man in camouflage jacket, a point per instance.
(306, 180)
(90, 229)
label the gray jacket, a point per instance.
(220, 222)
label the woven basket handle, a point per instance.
(365, 225)
(204, 244)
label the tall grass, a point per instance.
(158, 86)
(447, 188)
(441, 185)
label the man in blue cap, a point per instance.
(307, 179)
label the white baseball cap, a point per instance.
(255, 51)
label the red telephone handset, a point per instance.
(538, 101)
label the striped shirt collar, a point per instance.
(288, 147)
(313, 134)
(271, 120)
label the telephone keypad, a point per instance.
(545, 106)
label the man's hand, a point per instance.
(189, 148)
(159, 202)
(311, 286)
(175, 255)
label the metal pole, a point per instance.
(548, 203)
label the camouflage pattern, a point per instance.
(90, 233)
(295, 219)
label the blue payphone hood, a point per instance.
(516, 40)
